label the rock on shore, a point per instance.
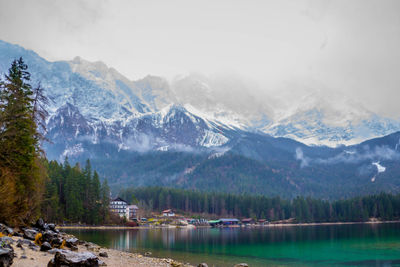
(43, 245)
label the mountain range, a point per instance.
(186, 133)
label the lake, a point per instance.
(322, 245)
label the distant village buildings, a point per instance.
(168, 213)
(130, 212)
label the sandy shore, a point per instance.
(26, 257)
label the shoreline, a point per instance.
(41, 244)
(104, 227)
(28, 257)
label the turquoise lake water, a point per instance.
(324, 245)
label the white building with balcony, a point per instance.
(120, 207)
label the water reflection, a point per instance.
(317, 244)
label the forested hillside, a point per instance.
(340, 176)
(382, 206)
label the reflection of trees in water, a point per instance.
(168, 238)
(120, 239)
(208, 239)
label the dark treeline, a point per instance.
(383, 206)
(73, 194)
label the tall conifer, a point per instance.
(20, 163)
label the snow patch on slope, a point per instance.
(212, 139)
(218, 118)
(379, 167)
(72, 151)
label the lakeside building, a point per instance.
(214, 223)
(262, 221)
(132, 212)
(168, 213)
(224, 222)
(119, 206)
(248, 221)
(229, 221)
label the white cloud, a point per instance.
(350, 46)
(353, 157)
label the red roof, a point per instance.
(167, 211)
(119, 199)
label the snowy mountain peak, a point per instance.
(193, 110)
(90, 69)
(331, 120)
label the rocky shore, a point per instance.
(44, 245)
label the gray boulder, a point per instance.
(56, 242)
(241, 265)
(45, 246)
(6, 230)
(52, 226)
(70, 242)
(103, 254)
(6, 256)
(30, 234)
(49, 235)
(73, 259)
(40, 224)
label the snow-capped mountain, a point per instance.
(331, 121)
(97, 113)
(92, 103)
(172, 128)
(312, 117)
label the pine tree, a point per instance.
(105, 202)
(95, 199)
(20, 163)
(85, 185)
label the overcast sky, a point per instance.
(346, 46)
